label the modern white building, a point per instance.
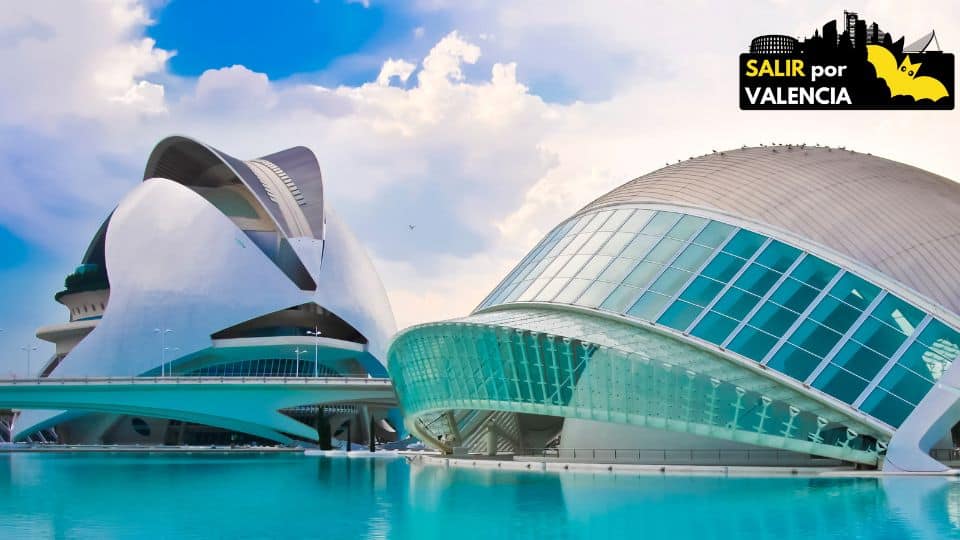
(791, 303)
(219, 267)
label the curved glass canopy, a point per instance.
(746, 293)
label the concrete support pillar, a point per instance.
(491, 441)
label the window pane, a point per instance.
(886, 408)
(855, 291)
(551, 289)
(714, 328)
(752, 343)
(617, 270)
(665, 250)
(835, 314)
(533, 289)
(723, 267)
(814, 272)
(642, 274)
(637, 221)
(692, 258)
(686, 227)
(736, 303)
(660, 223)
(794, 362)
(572, 290)
(679, 315)
(573, 265)
(648, 306)
(906, 384)
(898, 314)
(670, 282)
(554, 267)
(701, 291)
(757, 279)
(778, 256)
(621, 297)
(580, 224)
(924, 361)
(595, 294)
(744, 244)
(714, 234)
(773, 319)
(598, 239)
(859, 360)
(639, 247)
(794, 295)
(879, 337)
(840, 384)
(597, 220)
(616, 243)
(815, 338)
(575, 244)
(616, 220)
(594, 266)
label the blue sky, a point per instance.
(483, 122)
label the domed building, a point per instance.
(214, 266)
(773, 305)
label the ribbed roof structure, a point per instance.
(895, 218)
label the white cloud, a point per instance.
(474, 157)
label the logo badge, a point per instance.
(859, 68)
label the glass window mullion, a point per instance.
(694, 275)
(803, 316)
(892, 362)
(728, 284)
(763, 300)
(846, 337)
(612, 259)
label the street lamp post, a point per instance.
(298, 351)
(171, 349)
(28, 348)
(316, 350)
(163, 346)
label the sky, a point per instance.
(483, 123)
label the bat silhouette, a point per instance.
(902, 79)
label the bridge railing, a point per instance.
(340, 381)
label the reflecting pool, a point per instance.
(251, 496)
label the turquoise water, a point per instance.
(238, 496)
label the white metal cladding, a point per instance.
(895, 218)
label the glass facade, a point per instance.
(750, 294)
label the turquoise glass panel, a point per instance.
(701, 291)
(744, 244)
(686, 227)
(616, 243)
(661, 223)
(596, 293)
(618, 269)
(815, 338)
(840, 384)
(714, 328)
(574, 265)
(679, 315)
(757, 279)
(887, 408)
(854, 291)
(713, 234)
(773, 319)
(639, 246)
(723, 267)
(692, 257)
(794, 295)
(595, 242)
(834, 314)
(859, 360)
(752, 343)
(879, 336)
(642, 274)
(736, 303)
(648, 306)
(594, 266)
(664, 251)
(906, 384)
(924, 361)
(670, 282)
(898, 314)
(635, 222)
(620, 298)
(794, 362)
(778, 256)
(941, 338)
(573, 289)
(814, 272)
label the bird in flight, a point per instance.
(412, 227)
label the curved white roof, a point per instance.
(895, 218)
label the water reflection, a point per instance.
(124, 496)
